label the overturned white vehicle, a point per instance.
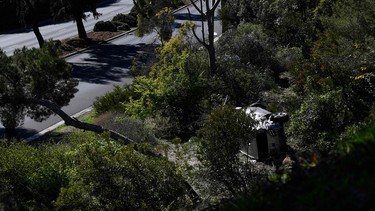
(270, 139)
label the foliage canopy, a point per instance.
(33, 74)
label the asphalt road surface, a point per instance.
(58, 31)
(101, 67)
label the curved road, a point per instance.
(59, 31)
(102, 66)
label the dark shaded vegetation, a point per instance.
(120, 22)
(33, 74)
(72, 174)
(344, 181)
(129, 19)
(312, 59)
(105, 26)
(156, 16)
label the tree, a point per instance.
(29, 75)
(164, 20)
(247, 72)
(317, 123)
(291, 22)
(229, 14)
(155, 15)
(208, 15)
(222, 136)
(63, 9)
(337, 83)
(37, 83)
(174, 88)
(29, 12)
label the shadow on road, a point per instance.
(21, 132)
(106, 63)
(106, 3)
(192, 17)
(185, 16)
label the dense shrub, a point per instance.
(120, 18)
(343, 182)
(87, 172)
(316, 124)
(222, 136)
(113, 101)
(30, 178)
(246, 72)
(129, 19)
(135, 129)
(117, 23)
(123, 27)
(105, 26)
(173, 90)
(106, 175)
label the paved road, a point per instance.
(59, 31)
(99, 68)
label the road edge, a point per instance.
(56, 125)
(117, 36)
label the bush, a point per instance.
(30, 178)
(105, 26)
(86, 172)
(113, 101)
(123, 27)
(318, 122)
(246, 72)
(174, 89)
(133, 128)
(129, 19)
(117, 23)
(106, 175)
(341, 183)
(225, 131)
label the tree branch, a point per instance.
(195, 34)
(86, 126)
(197, 8)
(216, 5)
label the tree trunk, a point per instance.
(211, 44)
(10, 133)
(35, 18)
(80, 27)
(209, 15)
(38, 35)
(76, 123)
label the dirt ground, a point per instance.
(75, 44)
